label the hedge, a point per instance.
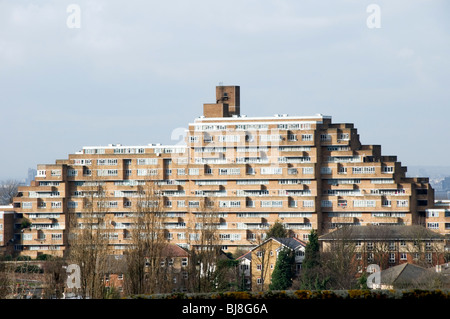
(310, 295)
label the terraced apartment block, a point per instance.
(303, 171)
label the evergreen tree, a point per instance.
(312, 251)
(284, 270)
(312, 274)
(277, 231)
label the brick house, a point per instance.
(257, 265)
(388, 245)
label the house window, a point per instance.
(391, 258)
(403, 256)
(391, 245)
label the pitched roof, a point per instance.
(172, 250)
(401, 274)
(291, 243)
(383, 232)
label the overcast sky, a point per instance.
(134, 71)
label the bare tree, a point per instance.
(54, 278)
(89, 239)
(6, 279)
(8, 190)
(148, 242)
(425, 247)
(339, 261)
(205, 247)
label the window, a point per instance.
(433, 225)
(107, 172)
(72, 204)
(194, 139)
(56, 204)
(326, 203)
(56, 236)
(308, 203)
(194, 204)
(307, 137)
(403, 256)
(55, 172)
(229, 138)
(271, 170)
(363, 169)
(27, 205)
(364, 203)
(402, 203)
(391, 258)
(194, 171)
(72, 172)
(432, 213)
(181, 203)
(386, 203)
(229, 171)
(107, 161)
(292, 137)
(147, 161)
(387, 169)
(391, 245)
(231, 203)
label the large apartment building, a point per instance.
(303, 171)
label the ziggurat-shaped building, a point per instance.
(303, 171)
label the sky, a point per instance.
(85, 73)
